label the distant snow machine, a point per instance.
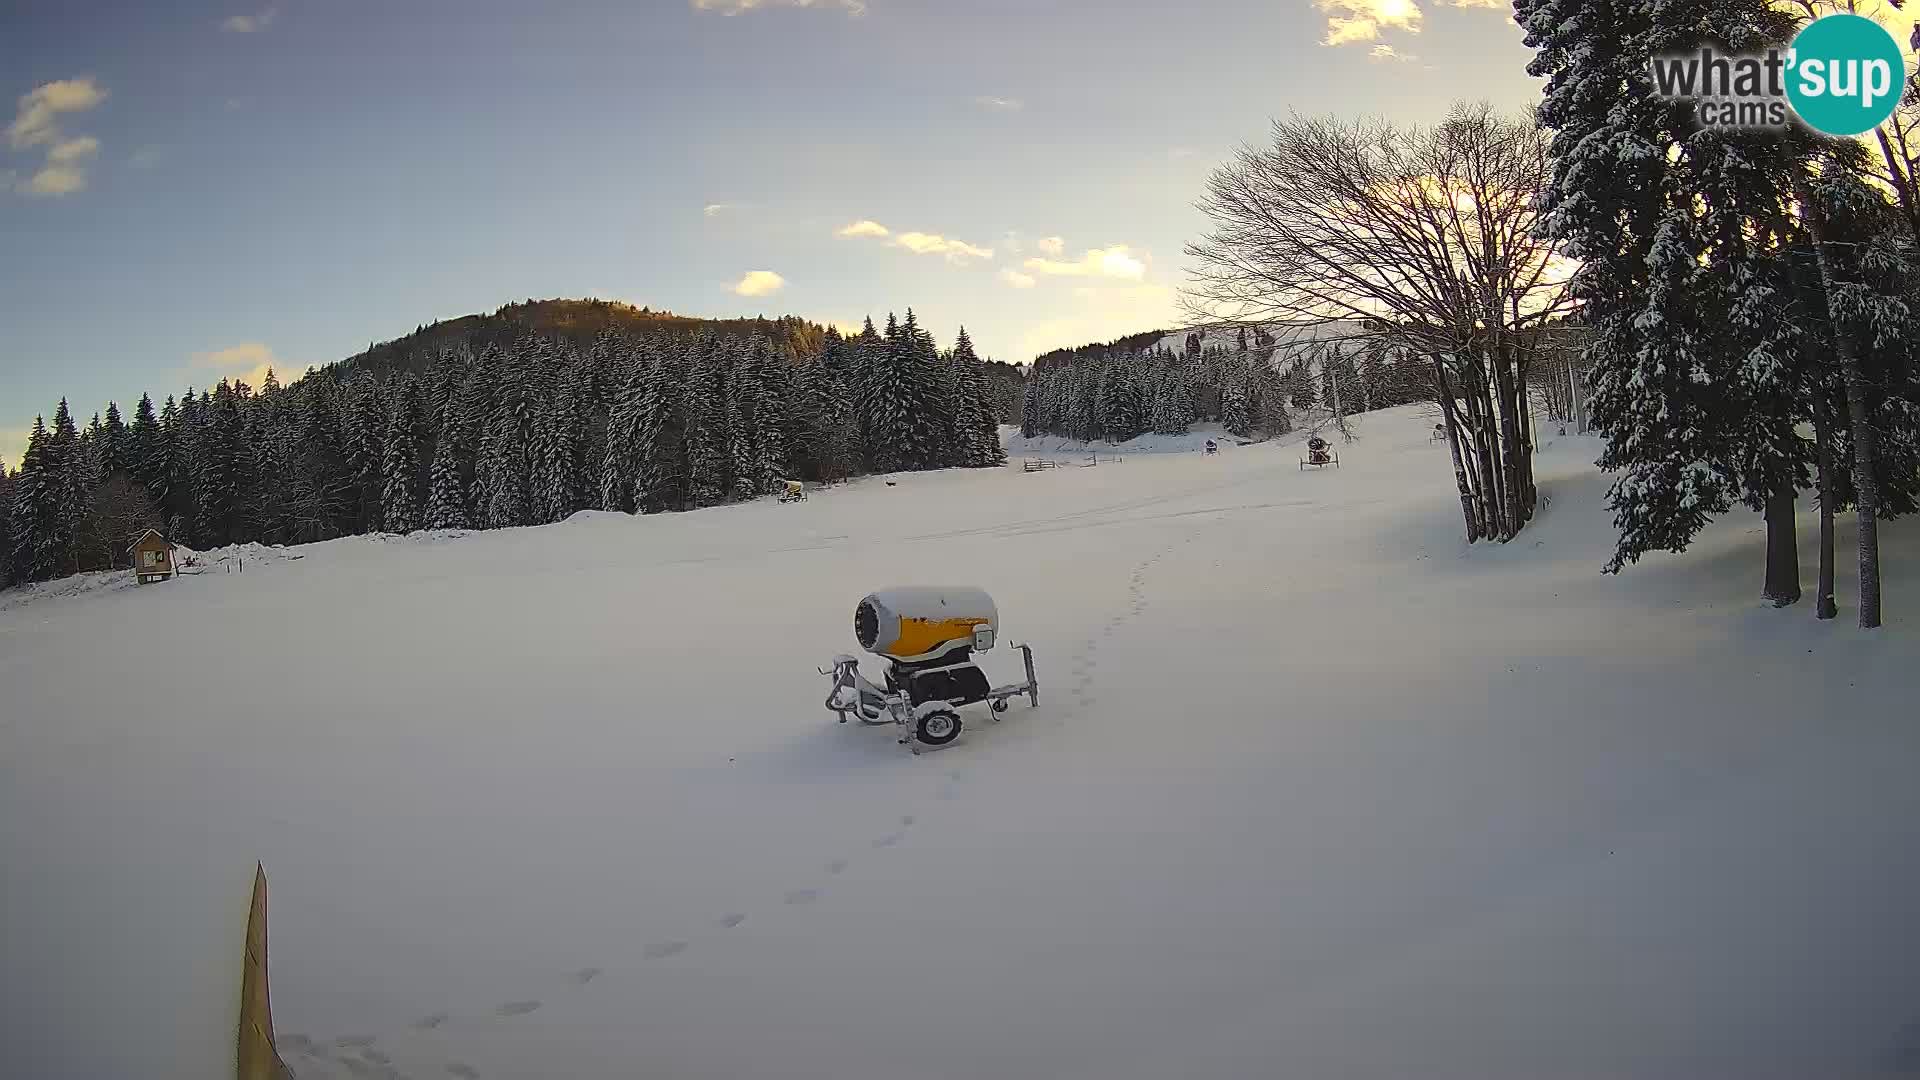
(793, 491)
(927, 635)
(1212, 448)
(1319, 455)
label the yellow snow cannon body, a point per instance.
(927, 635)
(919, 624)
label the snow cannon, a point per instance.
(915, 625)
(927, 636)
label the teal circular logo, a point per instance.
(1846, 75)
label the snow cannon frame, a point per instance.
(1319, 456)
(927, 636)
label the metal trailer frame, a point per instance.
(853, 696)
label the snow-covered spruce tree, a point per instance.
(1235, 410)
(502, 470)
(362, 423)
(890, 403)
(322, 503)
(589, 390)
(447, 493)
(143, 445)
(976, 430)
(113, 442)
(704, 459)
(831, 420)
(767, 399)
(1674, 228)
(7, 574)
(618, 465)
(1865, 272)
(1030, 405)
(36, 542)
(923, 446)
(551, 449)
(656, 426)
(68, 467)
(735, 418)
(400, 463)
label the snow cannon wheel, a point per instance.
(937, 727)
(1000, 705)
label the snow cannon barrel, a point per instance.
(924, 622)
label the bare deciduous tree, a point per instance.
(1428, 234)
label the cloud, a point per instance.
(1356, 22)
(246, 362)
(1181, 153)
(854, 8)
(1017, 279)
(36, 122)
(1000, 104)
(56, 180)
(920, 243)
(1117, 261)
(759, 283)
(1052, 245)
(69, 151)
(1384, 51)
(714, 210)
(934, 244)
(248, 24)
(146, 157)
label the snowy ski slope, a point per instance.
(1313, 791)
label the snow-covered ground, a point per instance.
(1074, 451)
(1313, 791)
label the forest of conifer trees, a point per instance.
(510, 430)
(1249, 383)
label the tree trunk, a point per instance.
(1866, 487)
(1783, 548)
(1468, 509)
(1473, 429)
(1865, 446)
(1480, 407)
(1823, 605)
(1512, 452)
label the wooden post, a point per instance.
(258, 1059)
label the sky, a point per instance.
(191, 191)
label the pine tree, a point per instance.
(1693, 381)
(217, 467)
(1030, 418)
(890, 403)
(706, 463)
(143, 445)
(657, 446)
(447, 500)
(554, 470)
(41, 539)
(400, 463)
(68, 472)
(976, 429)
(362, 423)
(113, 441)
(7, 574)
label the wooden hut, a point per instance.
(152, 557)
